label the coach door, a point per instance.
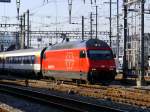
(82, 63)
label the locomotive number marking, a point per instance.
(69, 60)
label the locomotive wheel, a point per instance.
(39, 76)
(90, 79)
(78, 81)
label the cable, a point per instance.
(38, 7)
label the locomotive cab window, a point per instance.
(100, 54)
(82, 54)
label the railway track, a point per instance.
(68, 104)
(132, 96)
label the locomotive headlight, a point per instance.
(93, 69)
(112, 67)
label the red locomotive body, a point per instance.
(90, 60)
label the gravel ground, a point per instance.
(13, 104)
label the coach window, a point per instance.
(24, 60)
(32, 59)
(20, 60)
(1, 60)
(6, 60)
(13, 60)
(16, 60)
(9, 60)
(28, 60)
(82, 54)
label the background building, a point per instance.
(133, 51)
(6, 40)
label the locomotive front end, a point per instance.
(102, 65)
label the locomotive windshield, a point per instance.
(100, 54)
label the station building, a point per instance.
(6, 40)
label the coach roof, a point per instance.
(22, 52)
(79, 44)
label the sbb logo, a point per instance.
(69, 60)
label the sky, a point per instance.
(47, 14)
(54, 14)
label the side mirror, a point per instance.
(114, 55)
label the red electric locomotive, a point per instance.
(89, 60)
